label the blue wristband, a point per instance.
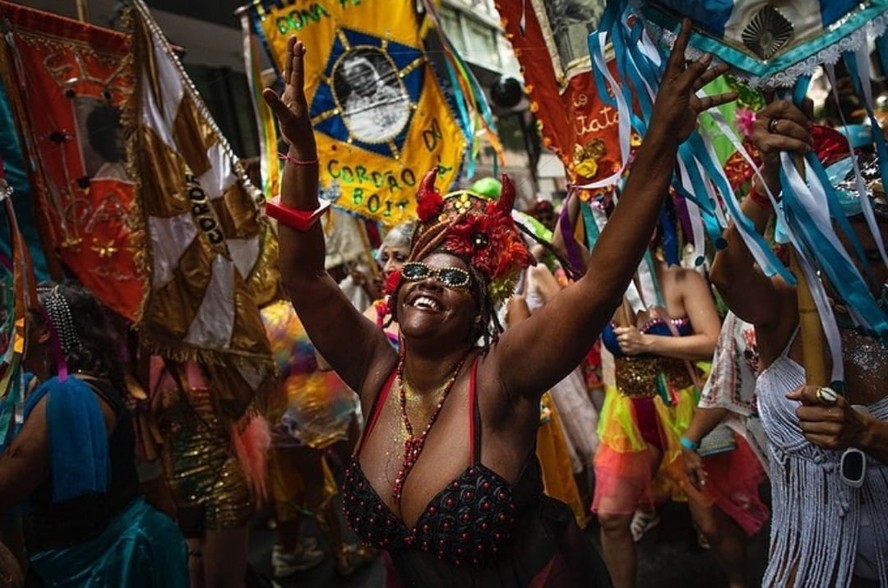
(688, 444)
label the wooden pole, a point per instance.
(814, 356)
(813, 348)
(82, 10)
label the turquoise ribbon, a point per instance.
(843, 276)
(464, 121)
(592, 231)
(746, 62)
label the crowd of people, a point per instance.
(472, 420)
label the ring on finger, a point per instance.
(826, 396)
(772, 125)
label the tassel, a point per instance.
(251, 437)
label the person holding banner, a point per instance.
(445, 478)
(74, 459)
(828, 452)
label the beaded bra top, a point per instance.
(470, 520)
(657, 326)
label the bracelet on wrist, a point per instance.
(759, 197)
(300, 220)
(297, 162)
(688, 444)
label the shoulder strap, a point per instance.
(376, 409)
(692, 370)
(106, 392)
(474, 414)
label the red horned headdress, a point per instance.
(477, 229)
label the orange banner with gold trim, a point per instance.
(69, 83)
(554, 56)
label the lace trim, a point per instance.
(786, 79)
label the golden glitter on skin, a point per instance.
(866, 367)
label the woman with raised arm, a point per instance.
(829, 524)
(649, 403)
(445, 477)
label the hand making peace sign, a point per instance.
(291, 108)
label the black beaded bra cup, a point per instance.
(468, 521)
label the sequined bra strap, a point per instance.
(377, 408)
(474, 415)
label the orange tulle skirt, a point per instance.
(623, 478)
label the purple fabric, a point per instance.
(567, 232)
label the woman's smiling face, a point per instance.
(427, 307)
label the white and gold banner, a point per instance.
(208, 250)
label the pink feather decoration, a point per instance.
(745, 120)
(251, 437)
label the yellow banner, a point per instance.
(380, 117)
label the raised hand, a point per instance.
(781, 126)
(291, 108)
(677, 105)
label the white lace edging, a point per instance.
(787, 78)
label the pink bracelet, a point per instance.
(290, 159)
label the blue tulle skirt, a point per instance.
(141, 548)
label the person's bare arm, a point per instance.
(705, 420)
(700, 308)
(25, 463)
(560, 334)
(750, 294)
(348, 341)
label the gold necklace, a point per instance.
(414, 444)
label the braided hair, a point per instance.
(83, 331)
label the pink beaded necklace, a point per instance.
(413, 446)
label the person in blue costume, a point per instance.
(445, 478)
(73, 459)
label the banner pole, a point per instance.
(82, 10)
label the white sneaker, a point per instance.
(642, 522)
(304, 556)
